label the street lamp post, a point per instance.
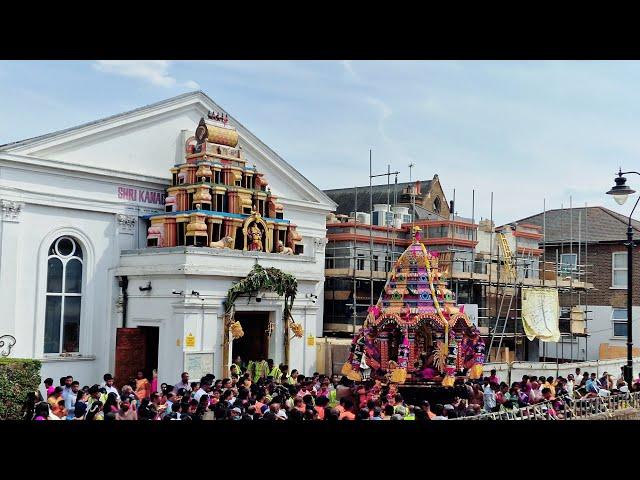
(620, 192)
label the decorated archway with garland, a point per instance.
(261, 279)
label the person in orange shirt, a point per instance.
(321, 404)
(550, 385)
(299, 405)
(260, 402)
(347, 414)
(143, 387)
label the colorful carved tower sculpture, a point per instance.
(420, 333)
(216, 200)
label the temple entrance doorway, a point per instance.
(136, 349)
(254, 345)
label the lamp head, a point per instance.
(620, 191)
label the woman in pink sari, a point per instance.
(154, 381)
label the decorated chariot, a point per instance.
(416, 334)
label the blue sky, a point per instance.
(526, 130)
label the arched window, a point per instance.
(64, 296)
(436, 205)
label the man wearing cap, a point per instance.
(236, 414)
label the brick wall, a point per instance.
(599, 273)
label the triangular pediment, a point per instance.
(148, 141)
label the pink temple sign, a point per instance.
(141, 195)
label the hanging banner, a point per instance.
(541, 314)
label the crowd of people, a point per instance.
(266, 392)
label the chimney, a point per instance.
(418, 187)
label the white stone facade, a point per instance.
(78, 183)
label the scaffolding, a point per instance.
(493, 280)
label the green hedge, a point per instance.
(18, 376)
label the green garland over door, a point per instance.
(270, 279)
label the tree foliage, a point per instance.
(18, 377)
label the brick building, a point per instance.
(589, 242)
(368, 233)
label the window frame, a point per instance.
(63, 295)
(614, 269)
(615, 321)
(437, 205)
(568, 268)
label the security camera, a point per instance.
(258, 298)
(193, 292)
(176, 292)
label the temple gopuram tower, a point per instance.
(217, 200)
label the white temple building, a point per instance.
(83, 292)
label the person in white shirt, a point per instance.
(183, 383)
(570, 383)
(70, 399)
(108, 385)
(489, 396)
(205, 386)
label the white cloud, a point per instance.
(192, 84)
(385, 113)
(156, 72)
(350, 71)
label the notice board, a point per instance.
(198, 364)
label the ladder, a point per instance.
(500, 326)
(508, 258)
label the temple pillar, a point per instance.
(384, 350)
(412, 351)
(170, 232)
(232, 199)
(229, 228)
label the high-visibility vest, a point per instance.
(333, 401)
(395, 410)
(260, 369)
(275, 373)
(238, 369)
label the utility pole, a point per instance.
(413, 194)
(371, 177)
